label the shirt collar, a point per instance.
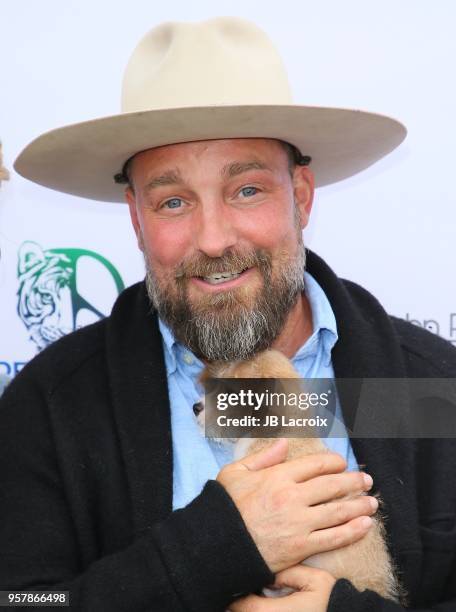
(324, 328)
(177, 355)
(170, 346)
(323, 319)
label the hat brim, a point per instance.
(82, 159)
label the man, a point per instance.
(102, 491)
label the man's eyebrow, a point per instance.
(173, 177)
(236, 168)
(170, 177)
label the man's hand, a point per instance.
(291, 508)
(313, 588)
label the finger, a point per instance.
(337, 537)
(266, 457)
(310, 466)
(332, 486)
(251, 603)
(339, 512)
(301, 578)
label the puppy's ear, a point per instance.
(204, 375)
(212, 370)
(219, 369)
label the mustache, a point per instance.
(232, 261)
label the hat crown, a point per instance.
(187, 82)
(222, 61)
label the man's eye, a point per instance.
(173, 203)
(248, 192)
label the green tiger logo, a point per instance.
(49, 303)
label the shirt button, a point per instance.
(188, 359)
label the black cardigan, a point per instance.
(86, 472)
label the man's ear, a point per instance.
(303, 187)
(131, 201)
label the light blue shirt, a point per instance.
(197, 459)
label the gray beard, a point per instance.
(224, 327)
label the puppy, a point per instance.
(366, 563)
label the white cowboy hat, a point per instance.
(220, 78)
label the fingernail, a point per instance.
(366, 521)
(368, 480)
(373, 502)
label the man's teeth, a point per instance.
(221, 277)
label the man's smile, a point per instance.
(219, 281)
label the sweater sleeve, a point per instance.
(186, 562)
(345, 597)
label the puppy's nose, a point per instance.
(197, 407)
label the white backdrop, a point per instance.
(390, 228)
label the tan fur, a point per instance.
(366, 563)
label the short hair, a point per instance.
(294, 155)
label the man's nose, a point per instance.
(214, 232)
